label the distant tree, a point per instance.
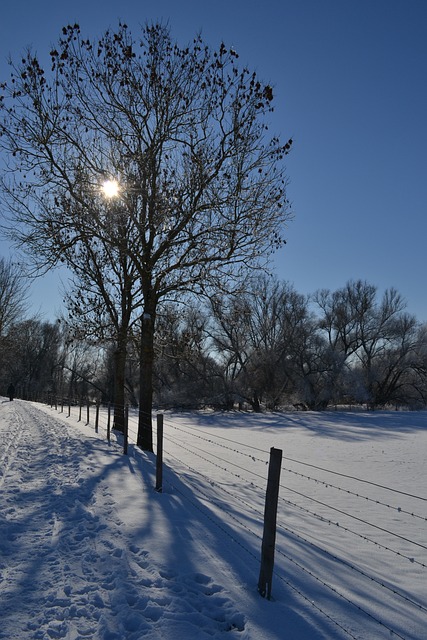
(83, 371)
(257, 336)
(393, 370)
(416, 375)
(185, 372)
(344, 312)
(184, 132)
(13, 294)
(31, 357)
(280, 322)
(375, 338)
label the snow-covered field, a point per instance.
(88, 548)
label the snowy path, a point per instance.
(67, 569)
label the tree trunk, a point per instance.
(145, 427)
(256, 405)
(119, 386)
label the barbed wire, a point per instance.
(357, 495)
(339, 594)
(240, 477)
(292, 532)
(198, 490)
(310, 601)
(301, 462)
(349, 515)
(344, 475)
(353, 567)
(219, 462)
(355, 533)
(324, 504)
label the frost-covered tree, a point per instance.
(260, 339)
(375, 337)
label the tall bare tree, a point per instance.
(184, 130)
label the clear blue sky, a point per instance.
(350, 79)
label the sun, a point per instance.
(110, 188)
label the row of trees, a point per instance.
(37, 356)
(273, 347)
(268, 347)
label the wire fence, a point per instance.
(340, 538)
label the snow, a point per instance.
(89, 549)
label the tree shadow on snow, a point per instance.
(343, 425)
(227, 551)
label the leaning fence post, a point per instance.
(159, 454)
(270, 519)
(125, 431)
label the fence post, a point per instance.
(270, 519)
(97, 417)
(109, 422)
(125, 431)
(87, 414)
(159, 454)
(69, 407)
(80, 410)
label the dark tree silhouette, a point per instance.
(183, 130)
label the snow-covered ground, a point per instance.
(89, 549)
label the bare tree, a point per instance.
(343, 312)
(186, 374)
(104, 300)
(258, 336)
(374, 337)
(13, 294)
(31, 354)
(184, 132)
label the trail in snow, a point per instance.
(67, 571)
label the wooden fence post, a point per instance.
(125, 431)
(159, 454)
(97, 417)
(80, 410)
(109, 423)
(270, 519)
(87, 414)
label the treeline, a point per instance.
(269, 347)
